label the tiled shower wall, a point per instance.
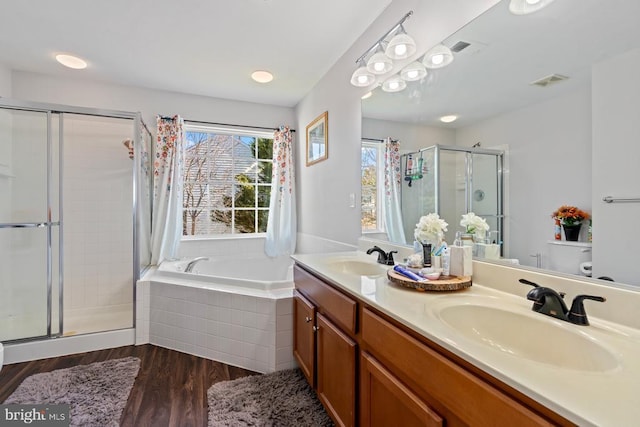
(98, 226)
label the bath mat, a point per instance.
(282, 398)
(96, 393)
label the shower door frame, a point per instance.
(61, 110)
(468, 197)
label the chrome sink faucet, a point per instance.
(193, 263)
(383, 257)
(549, 302)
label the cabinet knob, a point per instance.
(316, 328)
(308, 319)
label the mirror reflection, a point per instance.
(556, 92)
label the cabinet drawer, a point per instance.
(332, 303)
(474, 401)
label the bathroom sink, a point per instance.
(358, 268)
(526, 336)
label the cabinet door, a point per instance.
(385, 401)
(304, 343)
(336, 372)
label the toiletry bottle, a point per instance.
(409, 170)
(446, 259)
(557, 230)
(589, 236)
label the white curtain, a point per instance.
(167, 185)
(281, 224)
(392, 187)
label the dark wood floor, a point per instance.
(170, 390)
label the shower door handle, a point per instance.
(28, 224)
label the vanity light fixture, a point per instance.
(524, 7)
(71, 61)
(448, 119)
(437, 57)
(412, 72)
(394, 44)
(262, 76)
(394, 84)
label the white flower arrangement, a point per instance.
(475, 225)
(430, 228)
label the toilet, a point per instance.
(569, 257)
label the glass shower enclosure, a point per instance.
(75, 216)
(452, 181)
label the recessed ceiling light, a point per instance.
(71, 61)
(448, 119)
(262, 76)
(367, 95)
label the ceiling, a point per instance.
(506, 54)
(201, 47)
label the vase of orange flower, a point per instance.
(571, 219)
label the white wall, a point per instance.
(549, 165)
(411, 136)
(325, 187)
(77, 92)
(5, 81)
(616, 132)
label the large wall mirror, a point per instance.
(558, 92)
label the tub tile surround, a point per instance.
(574, 394)
(249, 331)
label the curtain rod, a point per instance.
(226, 124)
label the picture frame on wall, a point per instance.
(318, 139)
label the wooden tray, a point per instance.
(444, 283)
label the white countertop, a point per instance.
(586, 397)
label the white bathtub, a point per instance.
(256, 273)
(236, 311)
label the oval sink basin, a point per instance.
(527, 337)
(359, 268)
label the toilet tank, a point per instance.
(566, 257)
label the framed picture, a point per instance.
(317, 139)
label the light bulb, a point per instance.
(412, 74)
(378, 66)
(400, 49)
(362, 79)
(532, 1)
(394, 85)
(437, 59)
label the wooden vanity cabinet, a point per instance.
(370, 370)
(325, 346)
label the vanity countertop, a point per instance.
(608, 395)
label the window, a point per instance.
(372, 186)
(227, 181)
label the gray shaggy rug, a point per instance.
(280, 399)
(96, 393)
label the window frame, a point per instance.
(233, 131)
(379, 146)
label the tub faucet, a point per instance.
(549, 302)
(383, 257)
(193, 263)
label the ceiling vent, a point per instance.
(546, 81)
(460, 46)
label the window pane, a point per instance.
(264, 196)
(263, 215)
(245, 222)
(220, 194)
(369, 183)
(265, 148)
(264, 172)
(220, 222)
(245, 196)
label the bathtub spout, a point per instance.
(194, 262)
